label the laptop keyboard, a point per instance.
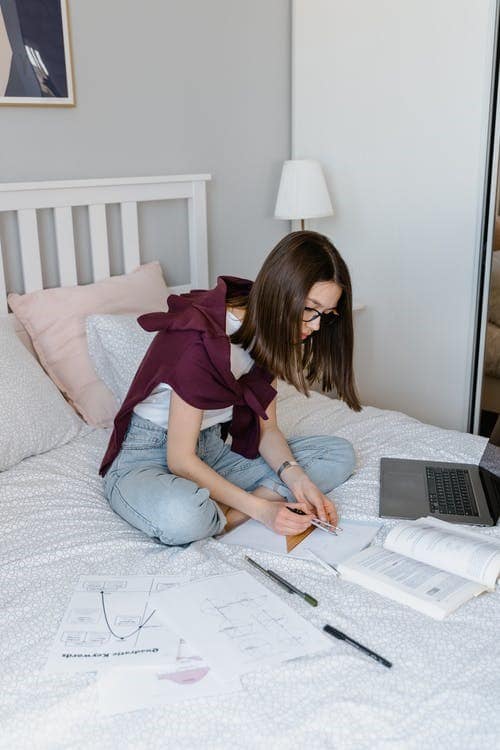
(450, 492)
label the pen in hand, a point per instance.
(323, 525)
(284, 584)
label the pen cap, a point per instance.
(310, 600)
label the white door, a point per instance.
(393, 97)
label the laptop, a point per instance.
(455, 492)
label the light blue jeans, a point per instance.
(140, 488)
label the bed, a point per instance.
(443, 690)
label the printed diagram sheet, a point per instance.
(189, 677)
(237, 623)
(110, 621)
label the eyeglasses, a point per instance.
(310, 314)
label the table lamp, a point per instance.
(302, 193)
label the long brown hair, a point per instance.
(274, 310)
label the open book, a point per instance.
(428, 564)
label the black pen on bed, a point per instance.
(284, 584)
(343, 637)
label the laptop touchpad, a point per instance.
(403, 494)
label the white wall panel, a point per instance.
(392, 96)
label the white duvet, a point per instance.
(444, 688)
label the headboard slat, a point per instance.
(197, 217)
(130, 235)
(63, 220)
(30, 250)
(61, 196)
(99, 241)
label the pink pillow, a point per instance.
(55, 320)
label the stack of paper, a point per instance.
(333, 549)
(161, 639)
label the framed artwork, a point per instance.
(35, 55)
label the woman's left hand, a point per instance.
(306, 491)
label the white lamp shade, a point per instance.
(302, 193)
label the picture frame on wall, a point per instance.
(35, 53)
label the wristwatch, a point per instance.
(285, 465)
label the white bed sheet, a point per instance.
(443, 690)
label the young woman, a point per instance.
(215, 360)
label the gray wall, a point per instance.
(170, 87)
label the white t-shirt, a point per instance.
(156, 406)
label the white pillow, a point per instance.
(34, 416)
(116, 345)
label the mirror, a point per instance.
(489, 424)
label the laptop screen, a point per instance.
(489, 471)
(490, 459)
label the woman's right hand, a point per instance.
(279, 517)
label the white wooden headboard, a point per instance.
(26, 198)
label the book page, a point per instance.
(423, 587)
(449, 547)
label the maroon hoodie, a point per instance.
(191, 352)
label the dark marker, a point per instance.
(343, 637)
